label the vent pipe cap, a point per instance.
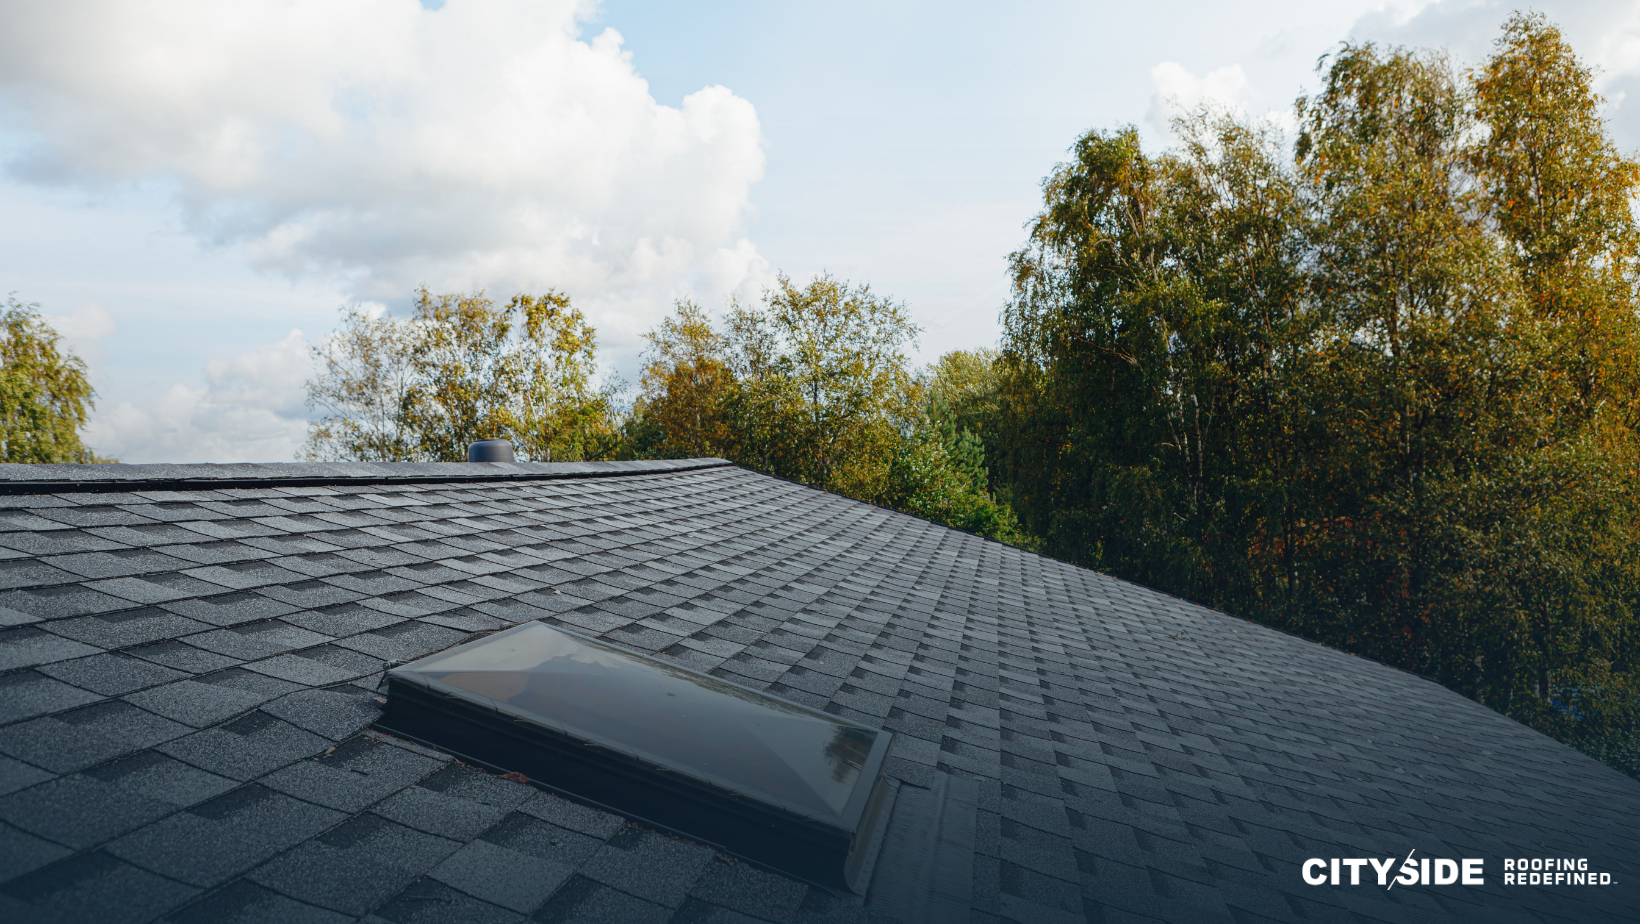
(490, 451)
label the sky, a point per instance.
(193, 191)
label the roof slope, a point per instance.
(192, 652)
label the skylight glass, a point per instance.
(778, 782)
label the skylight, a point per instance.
(776, 782)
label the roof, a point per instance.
(191, 657)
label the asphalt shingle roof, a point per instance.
(190, 655)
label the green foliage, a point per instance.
(938, 473)
(44, 393)
(967, 386)
(1381, 395)
(460, 370)
(814, 385)
(823, 368)
(689, 393)
(1149, 356)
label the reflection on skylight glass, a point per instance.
(664, 714)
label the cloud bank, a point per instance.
(251, 409)
(376, 145)
(481, 144)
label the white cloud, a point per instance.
(251, 410)
(376, 145)
(384, 144)
(1178, 91)
(84, 331)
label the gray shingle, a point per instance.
(21, 852)
(250, 641)
(652, 866)
(225, 528)
(152, 775)
(93, 515)
(216, 840)
(10, 617)
(319, 666)
(193, 703)
(513, 880)
(527, 834)
(26, 694)
(311, 594)
(372, 583)
(439, 813)
(245, 575)
(218, 552)
(586, 901)
(167, 513)
(243, 902)
(96, 887)
(573, 816)
(153, 588)
(246, 747)
(144, 536)
(81, 737)
(346, 619)
(428, 901)
(15, 775)
(409, 604)
(183, 657)
(356, 866)
(111, 674)
(334, 713)
(734, 885)
(353, 775)
(60, 601)
(57, 542)
(126, 628)
(403, 641)
(79, 810)
(28, 646)
(120, 563)
(18, 520)
(230, 609)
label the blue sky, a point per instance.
(193, 190)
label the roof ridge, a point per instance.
(56, 478)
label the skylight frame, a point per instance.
(830, 848)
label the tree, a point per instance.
(460, 370)
(938, 472)
(1382, 395)
(45, 395)
(814, 385)
(364, 378)
(839, 378)
(689, 390)
(1151, 350)
(965, 387)
(1562, 201)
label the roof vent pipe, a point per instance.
(490, 451)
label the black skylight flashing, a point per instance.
(824, 834)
